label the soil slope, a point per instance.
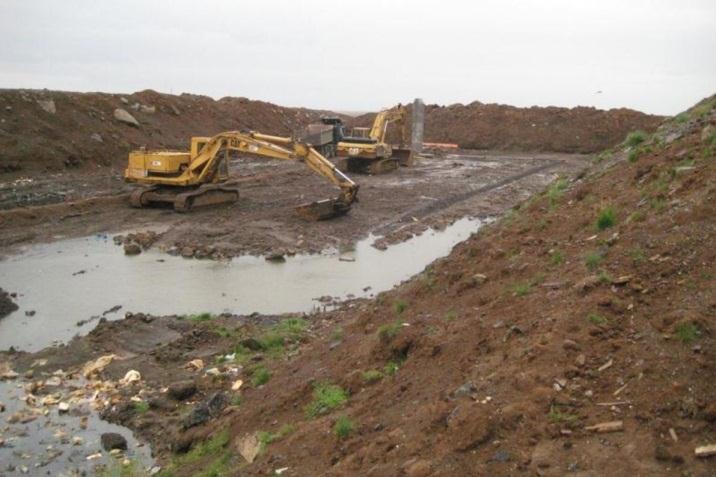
(43, 130)
(498, 126)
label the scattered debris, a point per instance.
(611, 426)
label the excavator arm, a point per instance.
(200, 167)
(399, 115)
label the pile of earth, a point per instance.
(509, 128)
(43, 130)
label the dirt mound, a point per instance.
(7, 306)
(44, 130)
(502, 127)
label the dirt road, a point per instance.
(434, 193)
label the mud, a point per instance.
(434, 193)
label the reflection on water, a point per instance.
(73, 280)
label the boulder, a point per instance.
(112, 440)
(47, 105)
(123, 116)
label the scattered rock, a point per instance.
(182, 390)
(112, 440)
(30, 313)
(707, 133)
(187, 252)
(581, 360)
(63, 407)
(417, 468)
(663, 454)
(278, 256)
(123, 116)
(570, 345)
(249, 447)
(705, 451)
(479, 278)
(96, 137)
(47, 105)
(466, 390)
(124, 100)
(148, 109)
(610, 426)
(132, 376)
(251, 344)
(7, 306)
(132, 249)
(206, 410)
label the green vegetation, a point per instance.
(119, 469)
(141, 407)
(556, 258)
(400, 306)
(326, 397)
(603, 156)
(604, 277)
(702, 109)
(343, 427)
(200, 317)
(606, 218)
(337, 334)
(657, 203)
(596, 319)
(289, 330)
(555, 415)
(214, 455)
(236, 401)
(636, 254)
(266, 438)
(635, 138)
(637, 216)
(391, 368)
(593, 259)
(681, 118)
(260, 376)
(372, 375)
(687, 332)
(556, 190)
(521, 289)
(450, 315)
(390, 330)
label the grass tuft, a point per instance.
(596, 319)
(606, 218)
(593, 259)
(372, 375)
(400, 306)
(343, 427)
(260, 376)
(200, 317)
(635, 138)
(556, 258)
(390, 330)
(326, 397)
(687, 332)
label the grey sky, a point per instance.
(656, 56)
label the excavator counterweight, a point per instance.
(200, 176)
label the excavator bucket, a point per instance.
(323, 209)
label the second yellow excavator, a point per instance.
(366, 149)
(200, 176)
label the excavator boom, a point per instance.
(199, 177)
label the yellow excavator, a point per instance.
(200, 176)
(366, 149)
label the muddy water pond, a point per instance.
(64, 287)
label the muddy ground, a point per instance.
(433, 193)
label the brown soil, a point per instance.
(83, 134)
(504, 352)
(500, 127)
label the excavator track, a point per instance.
(372, 166)
(208, 194)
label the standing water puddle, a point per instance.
(71, 281)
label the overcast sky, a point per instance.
(655, 56)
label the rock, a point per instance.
(249, 447)
(47, 105)
(124, 100)
(132, 248)
(96, 137)
(2, 407)
(417, 468)
(501, 456)
(581, 360)
(148, 109)
(709, 413)
(8, 108)
(466, 390)
(707, 133)
(175, 110)
(123, 116)
(470, 426)
(112, 440)
(277, 256)
(182, 390)
(611, 426)
(251, 344)
(7, 306)
(63, 407)
(30, 313)
(206, 410)
(586, 283)
(187, 252)
(132, 376)
(705, 451)
(479, 278)
(570, 345)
